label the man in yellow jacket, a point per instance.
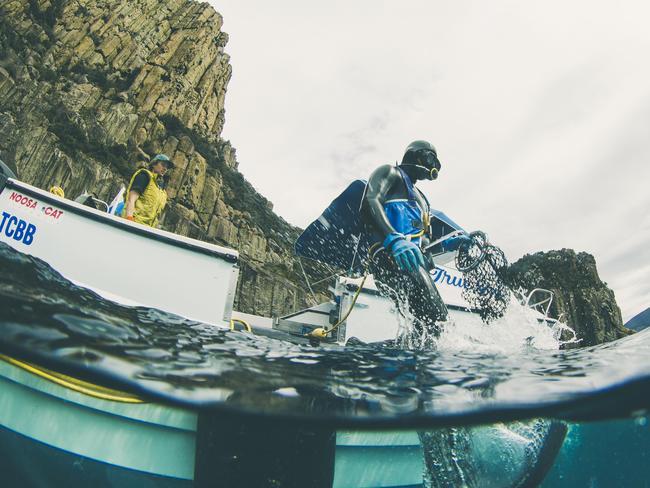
(145, 197)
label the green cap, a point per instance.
(164, 158)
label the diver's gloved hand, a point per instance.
(406, 254)
(453, 243)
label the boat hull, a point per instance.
(50, 432)
(51, 435)
(194, 279)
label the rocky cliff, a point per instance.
(582, 300)
(91, 88)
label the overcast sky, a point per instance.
(540, 112)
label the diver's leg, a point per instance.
(389, 279)
(447, 458)
(425, 302)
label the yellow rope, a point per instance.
(74, 384)
(426, 221)
(321, 333)
(243, 322)
(415, 236)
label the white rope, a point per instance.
(304, 274)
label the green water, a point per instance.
(603, 454)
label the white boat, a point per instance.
(59, 431)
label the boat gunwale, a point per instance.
(187, 243)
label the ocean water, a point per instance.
(601, 454)
(497, 405)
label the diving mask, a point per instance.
(431, 162)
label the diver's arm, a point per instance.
(379, 184)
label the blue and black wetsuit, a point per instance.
(392, 204)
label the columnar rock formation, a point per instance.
(91, 88)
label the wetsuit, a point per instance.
(393, 204)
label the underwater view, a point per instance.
(496, 405)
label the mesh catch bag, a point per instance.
(483, 266)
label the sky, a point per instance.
(540, 112)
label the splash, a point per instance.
(519, 329)
(494, 456)
(497, 456)
(500, 455)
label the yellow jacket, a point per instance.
(150, 204)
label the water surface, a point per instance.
(479, 373)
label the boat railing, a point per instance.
(101, 204)
(540, 300)
(89, 200)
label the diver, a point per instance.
(399, 213)
(145, 198)
(380, 226)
